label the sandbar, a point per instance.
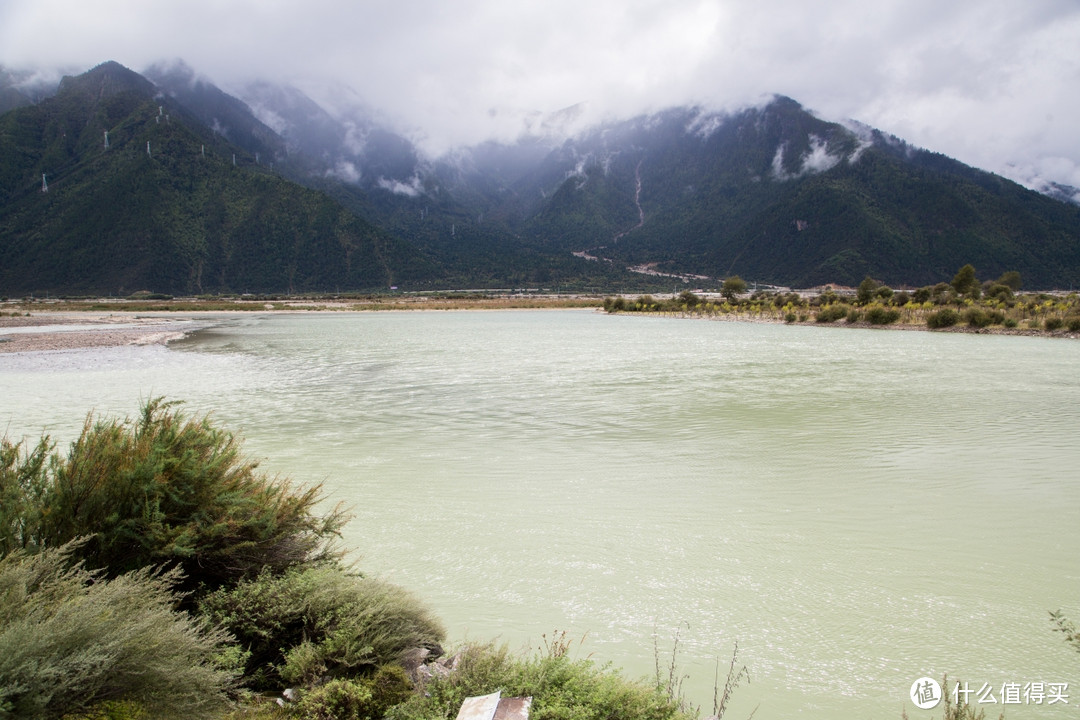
(41, 332)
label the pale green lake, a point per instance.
(856, 508)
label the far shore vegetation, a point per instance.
(963, 304)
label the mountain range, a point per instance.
(115, 181)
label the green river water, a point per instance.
(856, 508)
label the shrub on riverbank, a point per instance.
(166, 504)
(880, 315)
(161, 489)
(943, 318)
(831, 313)
(939, 306)
(318, 622)
(983, 317)
(367, 699)
(562, 688)
(71, 641)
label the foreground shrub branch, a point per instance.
(70, 640)
(164, 489)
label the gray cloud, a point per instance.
(991, 82)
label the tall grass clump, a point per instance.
(318, 622)
(164, 489)
(72, 640)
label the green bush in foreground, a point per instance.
(22, 484)
(162, 489)
(561, 688)
(71, 641)
(337, 700)
(112, 710)
(320, 621)
(367, 699)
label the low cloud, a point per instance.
(817, 160)
(705, 124)
(347, 171)
(269, 118)
(990, 82)
(412, 188)
(1057, 176)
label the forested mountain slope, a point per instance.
(167, 205)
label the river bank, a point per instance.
(45, 331)
(44, 325)
(73, 325)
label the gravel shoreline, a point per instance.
(73, 331)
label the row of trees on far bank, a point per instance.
(962, 301)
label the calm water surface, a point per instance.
(855, 508)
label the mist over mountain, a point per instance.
(776, 194)
(21, 88)
(348, 145)
(224, 114)
(11, 96)
(772, 193)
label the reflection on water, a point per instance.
(857, 508)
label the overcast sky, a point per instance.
(995, 83)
